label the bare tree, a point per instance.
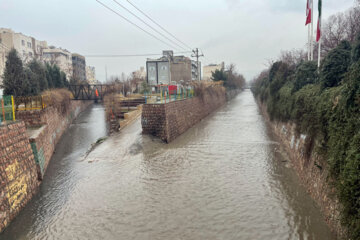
(234, 79)
(353, 23)
(292, 57)
(341, 26)
(334, 31)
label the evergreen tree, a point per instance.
(306, 73)
(15, 82)
(40, 72)
(49, 74)
(64, 81)
(335, 65)
(278, 75)
(356, 50)
(32, 80)
(219, 75)
(56, 77)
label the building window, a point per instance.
(29, 44)
(30, 54)
(24, 53)
(23, 42)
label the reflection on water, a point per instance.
(223, 179)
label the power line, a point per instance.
(148, 24)
(158, 24)
(135, 24)
(127, 55)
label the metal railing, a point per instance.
(32, 102)
(167, 95)
(7, 109)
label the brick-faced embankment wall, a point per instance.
(170, 120)
(23, 161)
(18, 175)
(54, 124)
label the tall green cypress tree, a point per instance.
(56, 77)
(49, 75)
(15, 83)
(39, 70)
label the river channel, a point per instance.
(225, 178)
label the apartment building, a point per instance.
(141, 73)
(3, 52)
(209, 69)
(90, 75)
(27, 47)
(79, 68)
(73, 65)
(60, 57)
(170, 69)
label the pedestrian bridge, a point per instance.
(89, 91)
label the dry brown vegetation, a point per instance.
(112, 103)
(209, 88)
(58, 98)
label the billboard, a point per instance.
(163, 73)
(152, 73)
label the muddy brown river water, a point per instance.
(225, 178)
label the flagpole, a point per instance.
(308, 45)
(312, 32)
(319, 54)
(319, 33)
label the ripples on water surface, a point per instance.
(223, 179)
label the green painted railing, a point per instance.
(7, 109)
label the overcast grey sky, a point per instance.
(244, 32)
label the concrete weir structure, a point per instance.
(168, 121)
(26, 147)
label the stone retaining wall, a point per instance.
(18, 174)
(311, 168)
(170, 120)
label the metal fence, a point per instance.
(32, 102)
(167, 95)
(7, 109)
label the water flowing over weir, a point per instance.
(225, 178)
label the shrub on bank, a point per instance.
(58, 98)
(202, 89)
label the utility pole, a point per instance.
(196, 54)
(106, 74)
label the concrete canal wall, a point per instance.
(26, 147)
(170, 120)
(18, 174)
(310, 167)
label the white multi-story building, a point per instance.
(3, 52)
(209, 69)
(60, 57)
(27, 47)
(90, 75)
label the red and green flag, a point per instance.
(318, 32)
(308, 12)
